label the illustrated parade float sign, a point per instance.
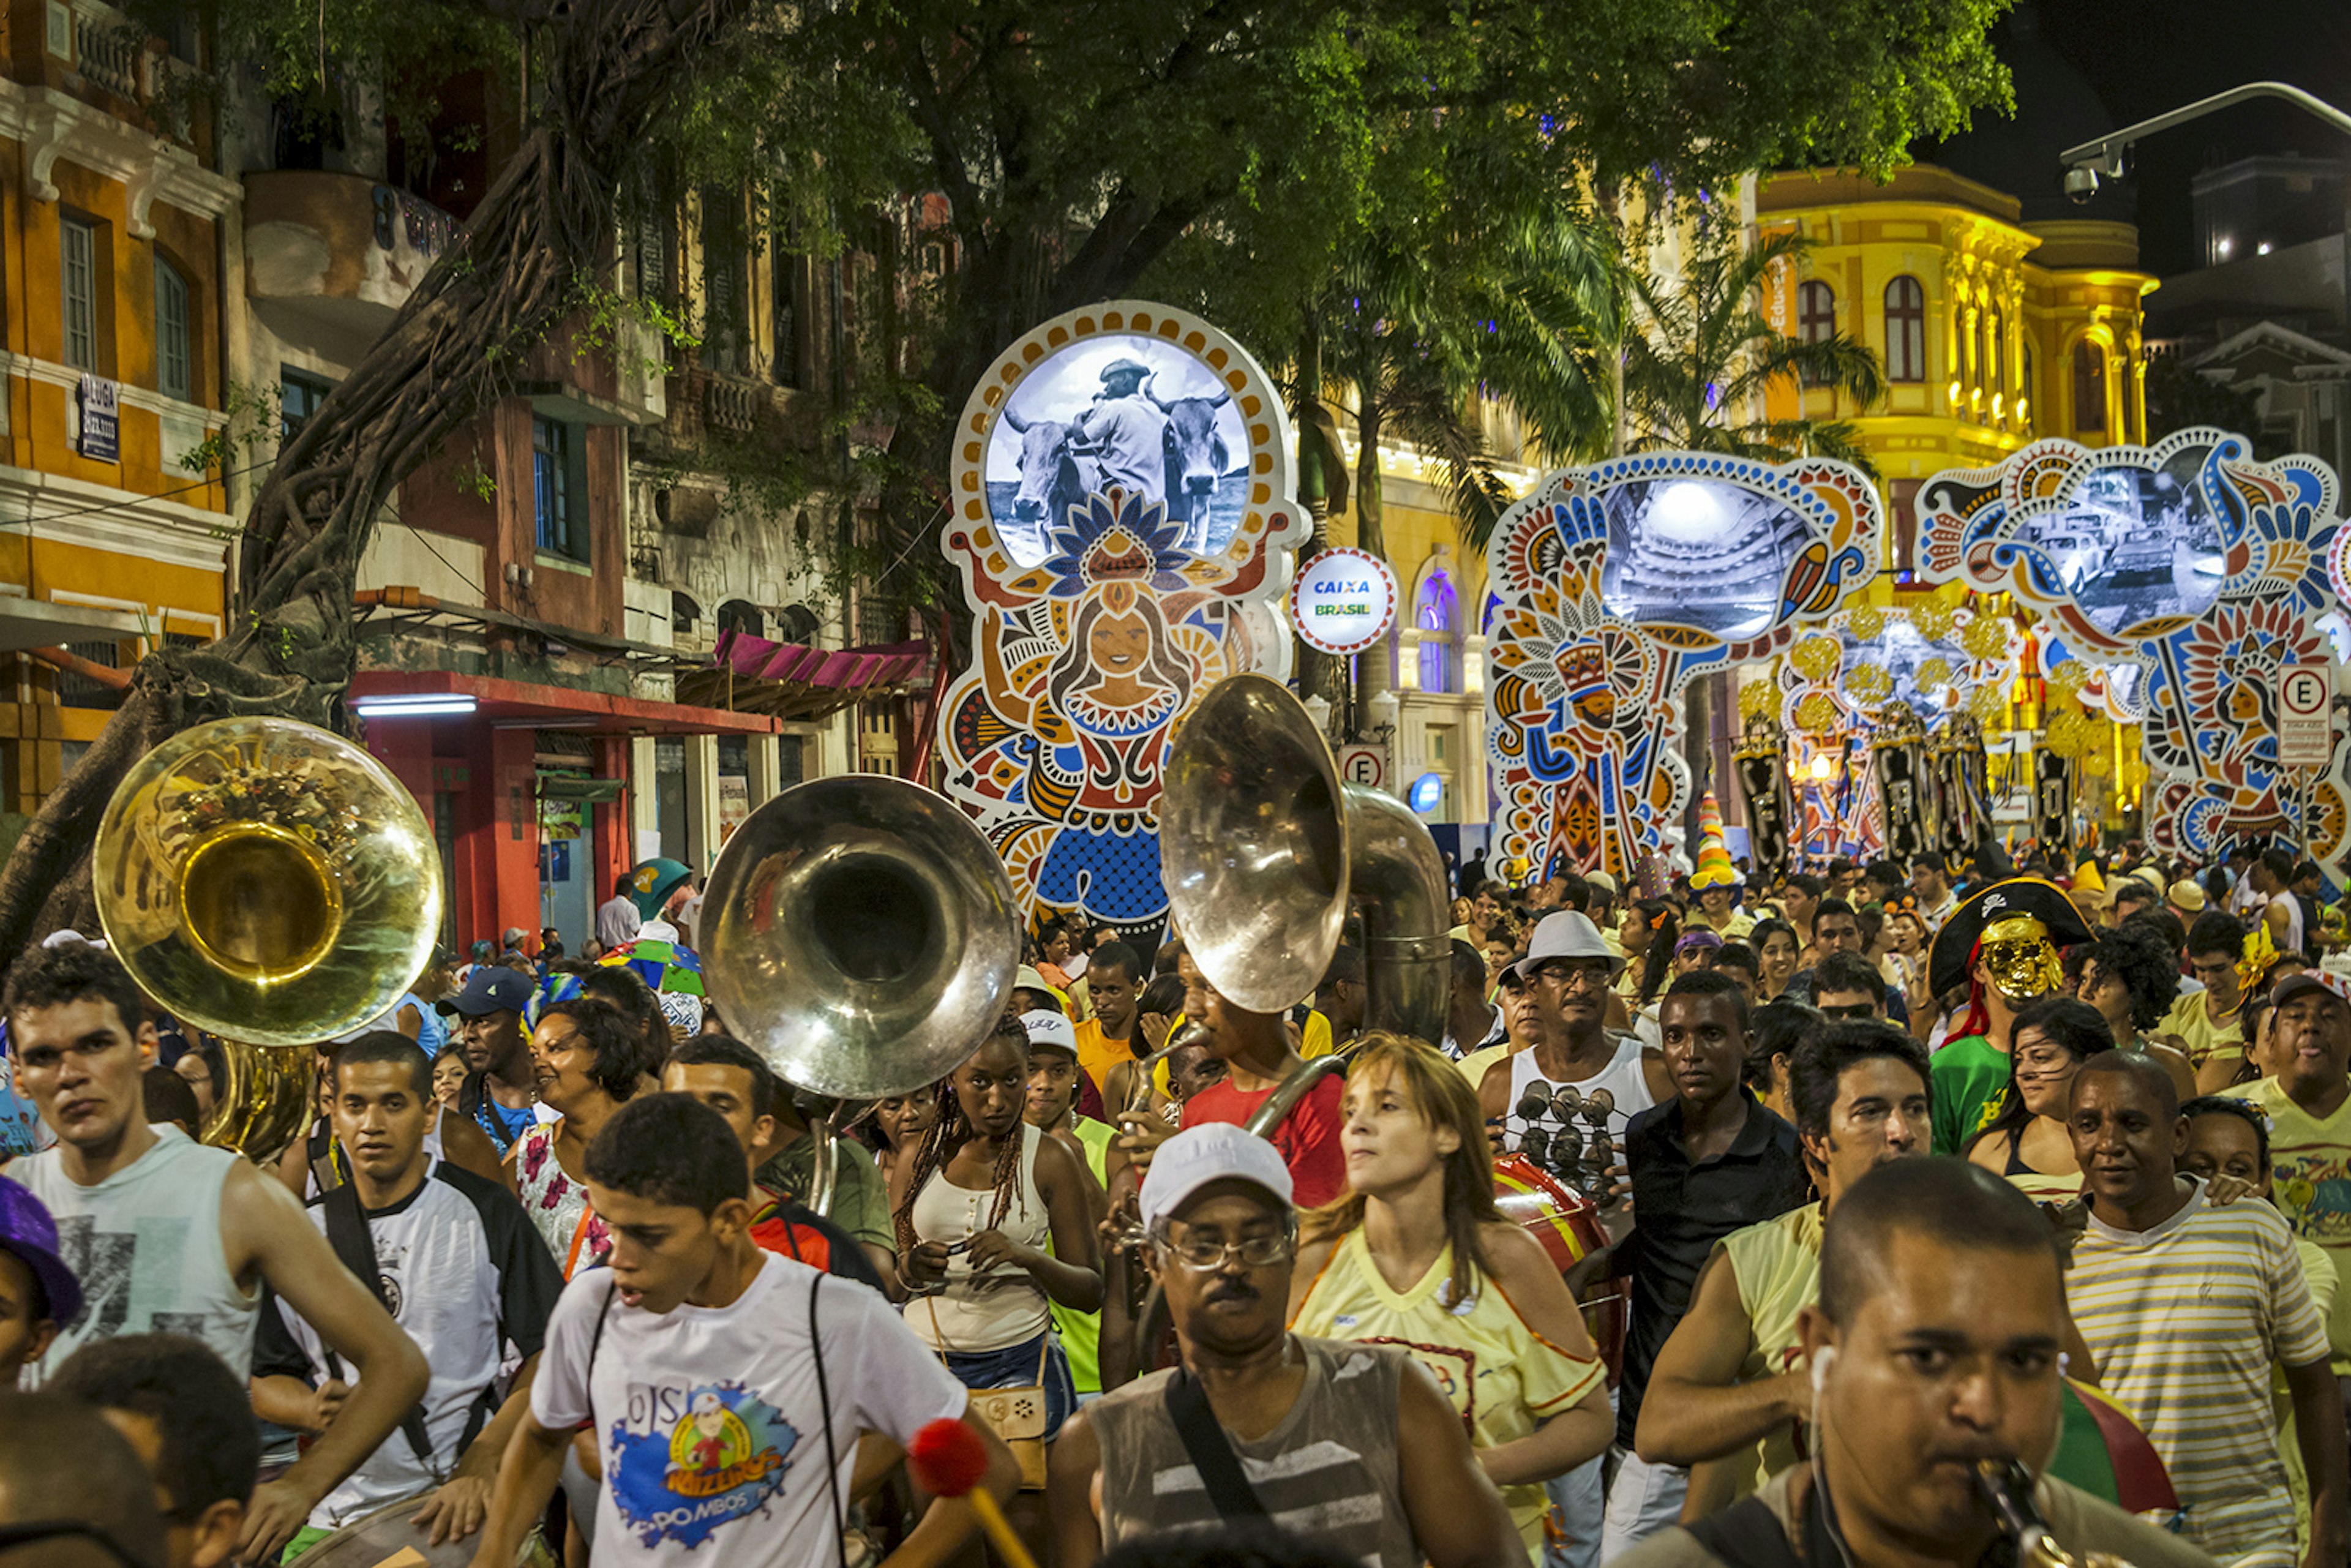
(1613, 585)
(1898, 697)
(1124, 519)
(2186, 578)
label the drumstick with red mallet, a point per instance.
(948, 1460)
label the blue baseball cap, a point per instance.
(26, 1230)
(493, 988)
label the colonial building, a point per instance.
(1997, 320)
(113, 532)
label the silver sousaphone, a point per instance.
(1261, 847)
(861, 934)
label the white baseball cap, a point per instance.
(1212, 1151)
(1049, 1028)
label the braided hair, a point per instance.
(948, 1136)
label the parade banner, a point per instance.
(1613, 585)
(1898, 752)
(2193, 577)
(1124, 519)
(1760, 761)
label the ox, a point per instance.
(1197, 458)
(1053, 477)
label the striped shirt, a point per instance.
(2185, 1321)
(1328, 1471)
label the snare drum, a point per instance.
(386, 1540)
(1567, 1224)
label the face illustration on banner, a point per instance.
(2194, 577)
(1125, 514)
(1613, 586)
(1118, 410)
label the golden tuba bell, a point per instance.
(1261, 847)
(861, 934)
(274, 885)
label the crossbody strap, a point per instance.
(353, 1240)
(1211, 1451)
(1747, 1534)
(595, 1340)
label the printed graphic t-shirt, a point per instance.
(707, 1418)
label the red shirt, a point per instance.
(1308, 1137)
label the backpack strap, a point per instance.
(1210, 1450)
(349, 1233)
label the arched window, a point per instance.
(1816, 318)
(1905, 330)
(1438, 613)
(739, 615)
(797, 624)
(2089, 388)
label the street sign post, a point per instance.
(2305, 724)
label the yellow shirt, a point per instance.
(2204, 1040)
(2310, 1170)
(1503, 1377)
(2318, 1270)
(1314, 1040)
(1098, 1054)
(1777, 1267)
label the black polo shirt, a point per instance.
(1679, 1212)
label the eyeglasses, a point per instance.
(1569, 976)
(1850, 1011)
(1204, 1257)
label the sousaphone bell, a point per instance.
(860, 934)
(1261, 847)
(274, 885)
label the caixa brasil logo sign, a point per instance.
(1344, 601)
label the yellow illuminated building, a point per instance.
(111, 224)
(1994, 331)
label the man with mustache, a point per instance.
(2186, 1307)
(1351, 1446)
(1935, 1346)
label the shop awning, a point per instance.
(521, 704)
(791, 681)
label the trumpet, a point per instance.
(2007, 1487)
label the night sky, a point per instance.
(2145, 57)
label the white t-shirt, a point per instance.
(463, 1274)
(706, 1418)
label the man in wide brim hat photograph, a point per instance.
(2002, 945)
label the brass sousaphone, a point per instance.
(861, 934)
(272, 884)
(1261, 847)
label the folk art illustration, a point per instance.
(1613, 585)
(2188, 577)
(1124, 526)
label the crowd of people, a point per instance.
(1879, 1183)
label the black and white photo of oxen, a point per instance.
(1124, 410)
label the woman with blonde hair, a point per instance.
(1416, 1255)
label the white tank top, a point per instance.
(1623, 1077)
(146, 1245)
(994, 1311)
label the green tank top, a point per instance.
(1082, 1332)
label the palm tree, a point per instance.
(1701, 356)
(1418, 334)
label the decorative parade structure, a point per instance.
(1617, 584)
(1123, 523)
(2174, 586)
